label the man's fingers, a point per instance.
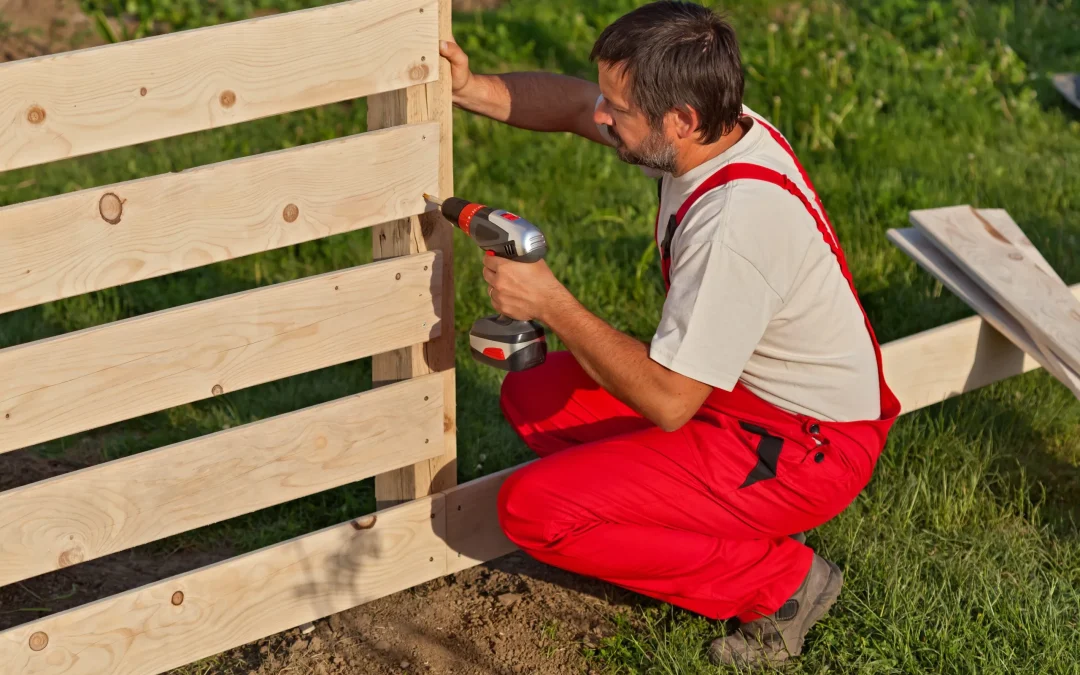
(489, 276)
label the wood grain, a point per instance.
(98, 376)
(473, 533)
(85, 101)
(920, 249)
(114, 506)
(240, 600)
(428, 232)
(1040, 302)
(93, 239)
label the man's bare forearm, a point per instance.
(534, 101)
(621, 364)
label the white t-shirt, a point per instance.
(758, 296)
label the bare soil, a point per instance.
(31, 28)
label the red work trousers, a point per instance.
(698, 518)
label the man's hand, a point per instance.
(523, 291)
(460, 74)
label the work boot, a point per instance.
(799, 537)
(779, 636)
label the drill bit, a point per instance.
(434, 200)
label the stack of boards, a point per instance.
(983, 257)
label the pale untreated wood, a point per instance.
(920, 249)
(240, 600)
(95, 99)
(428, 232)
(473, 533)
(114, 506)
(98, 376)
(947, 361)
(93, 239)
(1041, 303)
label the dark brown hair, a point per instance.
(678, 54)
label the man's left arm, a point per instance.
(617, 362)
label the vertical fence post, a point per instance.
(428, 232)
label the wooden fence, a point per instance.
(398, 310)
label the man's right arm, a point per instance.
(535, 101)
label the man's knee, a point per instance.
(525, 507)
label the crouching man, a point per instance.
(685, 469)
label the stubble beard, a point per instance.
(655, 151)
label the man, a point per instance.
(685, 468)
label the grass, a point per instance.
(963, 555)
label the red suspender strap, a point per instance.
(890, 406)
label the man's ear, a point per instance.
(685, 121)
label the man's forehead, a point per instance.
(613, 85)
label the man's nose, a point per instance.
(601, 116)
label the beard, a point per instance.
(655, 151)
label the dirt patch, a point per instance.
(31, 28)
(508, 617)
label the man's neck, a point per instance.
(695, 155)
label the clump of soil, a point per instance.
(31, 28)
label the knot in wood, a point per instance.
(217, 390)
(143, 92)
(38, 641)
(419, 72)
(1016, 256)
(228, 98)
(35, 115)
(178, 598)
(365, 523)
(291, 213)
(111, 208)
(72, 556)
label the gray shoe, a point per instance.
(779, 636)
(799, 537)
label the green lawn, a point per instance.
(964, 553)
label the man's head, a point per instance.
(671, 75)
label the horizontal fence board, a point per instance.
(93, 239)
(80, 102)
(947, 361)
(473, 533)
(98, 376)
(115, 506)
(237, 601)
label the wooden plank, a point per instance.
(947, 361)
(114, 372)
(191, 616)
(920, 249)
(115, 506)
(1068, 85)
(428, 232)
(93, 239)
(80, 102)
(1042, 304)
(473, 533)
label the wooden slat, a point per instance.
(947, 361)
(94, 377)
(473, 533)
(237, 601)
(429, 232)
(115, 506)
(1042, 304)
(95, 99)
(93, 239)
(923, 251)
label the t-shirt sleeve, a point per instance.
(716, 311)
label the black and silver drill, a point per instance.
(500, 341)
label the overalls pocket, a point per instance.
(769, 448)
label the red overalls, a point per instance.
(699, 517)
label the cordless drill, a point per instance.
(500, 341)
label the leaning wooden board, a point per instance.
(923, 252)
(1040, 302)
(1069, 86)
